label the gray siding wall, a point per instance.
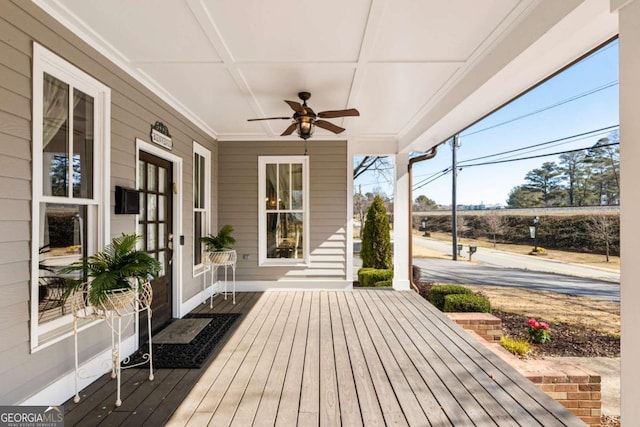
(133, 109)
(238, 206)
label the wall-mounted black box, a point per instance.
(127, 201)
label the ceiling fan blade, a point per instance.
(270, 118)
(295, 106)
(329, 126)
(332, 114)
(289, 130)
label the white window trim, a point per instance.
(46, 61)
(262, 212)
(199, 269)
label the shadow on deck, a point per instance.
(144, 402)
(330, 358)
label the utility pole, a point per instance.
(454, 208)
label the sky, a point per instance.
(588, 96)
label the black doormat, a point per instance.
(193, 354)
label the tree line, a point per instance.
(581, 178)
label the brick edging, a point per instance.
(575, 387)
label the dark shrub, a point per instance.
(463, 303)
(569, 233)
(372, 276)
(363, 271)
(376, 237)
(384, 283)
(439, 292)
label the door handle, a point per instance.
(170, 248)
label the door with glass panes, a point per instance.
(155, 225)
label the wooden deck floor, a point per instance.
(367, 357)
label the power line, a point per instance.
(446, 171)
(557, 144)
(427, 175)
(540, 155)
(433, 174)
(422, 184)
(548, 107)
(578, 135)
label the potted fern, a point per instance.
(115, 275)
(218, 246)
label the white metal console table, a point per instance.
(216, 260)
(122, 305)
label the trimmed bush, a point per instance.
(384, 283)
(363, 271)
(376, 237)
(372, 276)
(464, 303)
(439, 292)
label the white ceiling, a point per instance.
(400, 62)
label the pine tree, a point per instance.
(376, 238)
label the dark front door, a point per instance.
(155, 224)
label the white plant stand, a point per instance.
(213, 262)
(122, 305)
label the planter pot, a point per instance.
(222, 257)
(118, 299)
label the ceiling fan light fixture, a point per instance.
(305, 127)
(305, 120)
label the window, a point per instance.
(201, 203)
(283, 205)
(70, 163)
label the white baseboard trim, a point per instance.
(188, 306)
(293, 285)
(401, 285)
(64, 388)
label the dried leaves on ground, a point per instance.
(589, 313)
(610, 421)
(566, 340)
(580, 326)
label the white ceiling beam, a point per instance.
(209, 27)
(371, 29)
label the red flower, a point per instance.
(544, 325)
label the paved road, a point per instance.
(501, 269)
(525, 262)
(463, 272)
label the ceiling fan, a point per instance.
(305, 120)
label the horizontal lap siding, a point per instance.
(133, 109)
(238, 206)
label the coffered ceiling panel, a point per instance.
(418, 30)
(210, 90)
(392, 94)
(291, 31)
(144, 30)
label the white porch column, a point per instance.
(629, 30)
(401, 224)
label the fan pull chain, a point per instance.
(305, 147)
